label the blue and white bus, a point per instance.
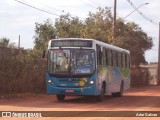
(86, 67)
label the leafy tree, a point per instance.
(96, 26)
(129, 36)
(4, 42)
(68, 27)
(133, 38)
(43, 33)
(99, 25)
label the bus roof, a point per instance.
(106, 45)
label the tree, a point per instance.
(43, 33)
(96, 26)
(4, 42)
(68, 26)
(129, 36)
(133, 38)
(99, 25)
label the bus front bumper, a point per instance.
(88, 90)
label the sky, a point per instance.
(18, 19)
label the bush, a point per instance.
(21, 72)
(139, 77)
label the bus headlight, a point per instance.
(91, 82)
(49, 81)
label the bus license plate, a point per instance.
(69, 91)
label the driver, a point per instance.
(64, 62)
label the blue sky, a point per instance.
(17, 19)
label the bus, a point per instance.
(86, 67)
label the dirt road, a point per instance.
(135, 99)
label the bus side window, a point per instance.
(106, 56)
(110, 60)
(119, 59)
(99, 55)
(124, 62)
(111, 57)
(114, 58)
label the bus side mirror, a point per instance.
(43, 54)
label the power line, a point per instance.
(129, 1)
(94, 2)
(87, 4)
(37, 1)
(64, 11)
(37, 8)
(41, 9)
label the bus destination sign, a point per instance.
(71, 43)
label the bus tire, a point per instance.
(60, 97)
(120, 93)
(101, 96)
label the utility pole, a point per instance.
(19, 42)
(158, 73)
(114, 20)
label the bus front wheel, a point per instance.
(60, 97)
(101, 96)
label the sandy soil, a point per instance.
(135, 99)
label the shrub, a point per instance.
(21, 71)
(139, 76)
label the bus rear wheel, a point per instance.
(120, 93)
(60, 97)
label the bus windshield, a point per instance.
(71, 61)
